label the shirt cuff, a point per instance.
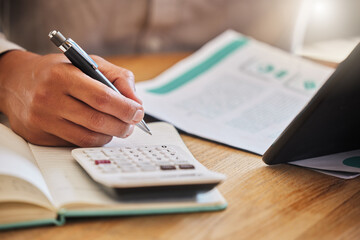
(5, 45)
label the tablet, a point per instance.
(329, 123)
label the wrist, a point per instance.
(11, 62)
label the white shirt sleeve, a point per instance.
(5, 45)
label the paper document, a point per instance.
(343, 165)
(234, 90)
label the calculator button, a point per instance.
(163, 163)
(127, 164)
(180, 161)
(122, 162)
(167, 167)
(110, 152)
(118, 160)
(114, 154)
(98, 157)
(145, 164)
(106, 167)
(129, 169)
(142, 160)
(119, 157)
(110, 170)
(186, 166)
(97, 162)
(149, 168)
(92, 151)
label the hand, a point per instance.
(51, 102)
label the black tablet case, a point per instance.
(330, 122)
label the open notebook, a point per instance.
(45, 185)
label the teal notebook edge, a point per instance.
(43, 222)
(63, 214)
(155, 211)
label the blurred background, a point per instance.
(327, 29)
(323, 29)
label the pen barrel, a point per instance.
(78, 61)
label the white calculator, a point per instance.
(150, 166)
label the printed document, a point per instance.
(234, 90)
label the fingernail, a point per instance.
(138, 116)
(130, 131)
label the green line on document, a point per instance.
(200, 68)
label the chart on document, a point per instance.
(234, 90)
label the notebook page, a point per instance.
(20, 178)
(68, 182)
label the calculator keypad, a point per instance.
(138, 159)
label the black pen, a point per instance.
(80, 59)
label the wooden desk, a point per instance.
(279, 202)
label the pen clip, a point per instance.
(82, 53)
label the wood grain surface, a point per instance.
(277, 202)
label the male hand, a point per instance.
(51, 102)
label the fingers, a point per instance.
(47, 139)
(122, 78)
(91, 112)
(45, 128)
(80, 136)
(51, 102)
(104, 99)
(125, 83)
(54, 131)
(76, 134)
(38, 136)
(83, 115)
